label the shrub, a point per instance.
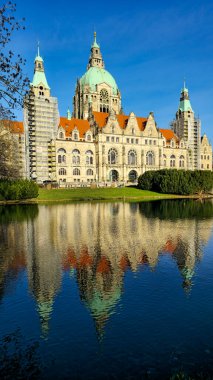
(173, 181)
(18, 189)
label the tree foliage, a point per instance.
(18, 189)
(13, 82)
(9, 152)
(173, 181)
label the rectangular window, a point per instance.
(201, 156)
(107, 139)
(136, 141)
(154, 142)
(146, 142)
(127, 140)
(117, 139)
(112, 139)
(132, 141)
(150, 142)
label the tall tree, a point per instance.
(9, 152)
(13, 82)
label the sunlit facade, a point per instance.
(98, 143)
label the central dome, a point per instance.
(95, 76)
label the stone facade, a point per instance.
(188, 127)
(99, 143)
(41, 120)
(96, 88)
(205, 154)
(114, 148)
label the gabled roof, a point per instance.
(69, 125)
(14, 126)
(169, 134)
(101, 119)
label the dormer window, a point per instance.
(89, 137)
(75, 135)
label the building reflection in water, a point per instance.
(98, 242)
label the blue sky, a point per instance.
(148, 46)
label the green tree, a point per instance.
(173, 181)
(13, 82)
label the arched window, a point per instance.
(181, 162)
(112, 156)
(89, 157)
(132, 158)
(76, 157)
(62, 150)
(76, 171)
(61, 135)
(62, 171)
(89, 138)
(164, 160)
(61, 156)
(172, 161)
(75, 136)
(89, 172)
(150, 158)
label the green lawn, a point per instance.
(100, 193)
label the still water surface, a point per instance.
(106, 290)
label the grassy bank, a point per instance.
(87, 194)
(96, 194)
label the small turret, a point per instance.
(39, 83)
(68, 114)
(185, 104)
(95, 59)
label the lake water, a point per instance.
(106, 290)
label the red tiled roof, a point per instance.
(14, 126)
(103, 265)
(68, 125)
(168, 134)
(169, 246)
(102, 117)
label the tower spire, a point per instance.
(95, 44)
(184, 82)
(95, 59)
(38, 49)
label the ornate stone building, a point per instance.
(187, 127)
(96, 88)
(99, 143)
(41, 118)
(205, 153)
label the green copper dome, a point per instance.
(185, 104)
(39, 78)
(95, 76)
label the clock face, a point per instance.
(104, 94)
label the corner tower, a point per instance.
(186, 126)
(96, 89)
(41, 118)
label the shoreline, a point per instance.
(102, 198)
